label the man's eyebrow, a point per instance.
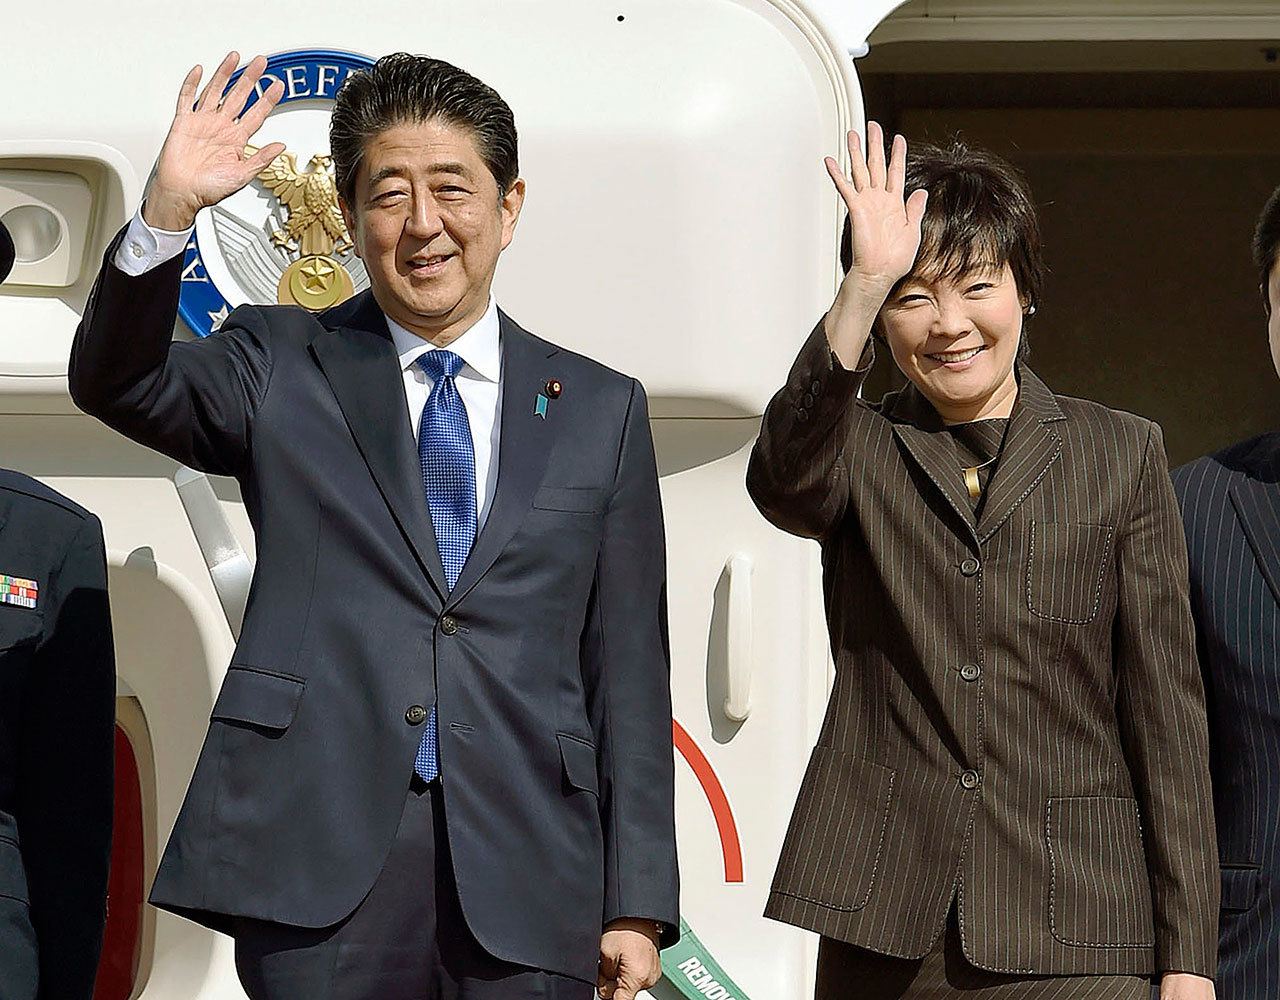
(386, 172)
(449, 168)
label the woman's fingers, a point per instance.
(187, 92)
(916, 206)
(875, 154)
(858, 163)
(218, 81)
(843, 187)
(897, 179)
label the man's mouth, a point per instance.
(428, 264)
(956, 357)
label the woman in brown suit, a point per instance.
(1009, 797)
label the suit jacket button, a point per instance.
(416, 715)
(971, 671)
(970, 779)
(970, 567)
(449, 625)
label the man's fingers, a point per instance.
(875, 154)
(253, 118)
(238, 95)
(260, 160)
(897, 179)
(858, 162)
(218, 82)
(187, 92)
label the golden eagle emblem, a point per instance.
(311, 227)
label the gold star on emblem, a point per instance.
(317, 274)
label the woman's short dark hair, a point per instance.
(980, 215)
(403, 88)
(1266, 244)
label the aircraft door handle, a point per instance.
(740, 654)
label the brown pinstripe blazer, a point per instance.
(1018, 720)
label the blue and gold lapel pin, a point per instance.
(550, 391)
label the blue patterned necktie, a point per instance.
(448, 462)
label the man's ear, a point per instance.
(349, 218)
(512, 202)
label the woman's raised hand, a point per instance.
(885, 224)
(203, 159)
(885, 233)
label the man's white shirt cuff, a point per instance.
(145, 248)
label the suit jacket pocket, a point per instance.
(570, 499)
(1239, 887)
(13, 877)
(1100, 888)
(1066, 569)
(258, 697)
(578, 758)
(831, 855)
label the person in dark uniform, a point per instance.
(57, 725)
(1231, 512)
(1009, 798)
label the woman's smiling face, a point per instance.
(956, 338)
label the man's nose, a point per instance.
(424, 221)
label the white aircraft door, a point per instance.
(679, 226)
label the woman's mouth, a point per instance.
(956, 360)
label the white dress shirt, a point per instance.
(479, 381)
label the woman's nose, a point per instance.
(952, 321)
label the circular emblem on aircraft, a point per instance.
(281, 240)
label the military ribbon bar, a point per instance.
(17, 591)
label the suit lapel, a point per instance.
(360, 362)
(1257, 503)
(922, 432)
(1031, 446)
(524, 443)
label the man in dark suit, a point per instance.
(57, 725)
(1231, 511)
(440, 764)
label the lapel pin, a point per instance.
(550, 391)
(17, 591)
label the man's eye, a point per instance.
(453, 189)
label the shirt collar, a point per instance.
(478, 346)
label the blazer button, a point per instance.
(449, 625)
(808, 399)
(416, 715)
(971, 671)
(816, 387)
(970, 567)
(970, 779)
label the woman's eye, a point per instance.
(907, 300)
(981, 286)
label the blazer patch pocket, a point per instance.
(579, 760)
(832, 852)
(258, 698)
(1099, 888)
(570, 499)
(1066, 569)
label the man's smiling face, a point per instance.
(429, 223)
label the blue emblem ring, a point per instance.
(307, 75)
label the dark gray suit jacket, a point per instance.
(1018, 723)
(57, 724)
(548, 659)
(1231, 510)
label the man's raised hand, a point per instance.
(203, 159)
